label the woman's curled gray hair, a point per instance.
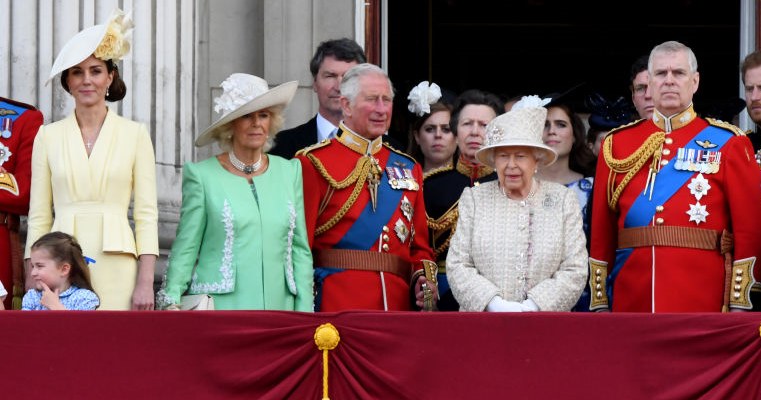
(224, 134)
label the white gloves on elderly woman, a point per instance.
(498, 304)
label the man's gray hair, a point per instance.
(350, 80)
(672, 46)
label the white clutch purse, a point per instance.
(197, 302)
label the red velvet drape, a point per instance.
(401, 355)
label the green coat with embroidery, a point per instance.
(244, 244)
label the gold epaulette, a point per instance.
(614, 130)
(317, 145)
(726, 125)
(437, 171)
(392, 148)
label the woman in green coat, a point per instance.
(241, 236)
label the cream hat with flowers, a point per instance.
(108, 41)
(243, 94)
(523, 125)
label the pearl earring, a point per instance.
(107, 92)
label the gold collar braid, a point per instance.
(366, 168)
(651, 148)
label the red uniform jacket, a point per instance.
(669, 278)
(343, 218)
(19, 121)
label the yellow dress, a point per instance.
(89, 197)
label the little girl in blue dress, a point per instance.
(61, 276)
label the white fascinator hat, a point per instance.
(422, 96)
(243, 94)
(107, 41)
(523, 126)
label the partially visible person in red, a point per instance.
(675, 211)
(19, 123)
(364, 208)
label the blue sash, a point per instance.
(366, 229)
(17, 109)
(669, 180)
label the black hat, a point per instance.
(606, 115)
(573, 97)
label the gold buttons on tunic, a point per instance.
(385, 229)
(659, 208)
(669, 140)
(659, 221)
(385, 247)
(385, 237)
(664, 162)
(666, 152)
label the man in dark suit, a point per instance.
(329, 63)
(750, 70)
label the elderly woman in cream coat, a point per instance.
(519, 243)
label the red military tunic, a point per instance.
(340, 216)
(675, 274)
(19, 123)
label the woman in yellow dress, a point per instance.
(88, 166)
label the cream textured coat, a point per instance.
(90, 198)
(518, 249)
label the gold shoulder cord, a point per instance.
(446, 221)
(629, 165)
(360, 170)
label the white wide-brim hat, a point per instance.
(522, 126)
(86, 42)
(243, 94)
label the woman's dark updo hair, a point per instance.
(116, 91)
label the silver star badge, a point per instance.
(697, 213)
(699, 186)
(5, 153)
(401, 230)
(407, 209)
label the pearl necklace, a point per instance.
(242, 167)
(525, 200)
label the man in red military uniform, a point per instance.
(19, 123)
(676, 210)
(364, 208)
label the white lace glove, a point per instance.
(498, 304)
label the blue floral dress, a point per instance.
(73, 298)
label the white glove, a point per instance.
(498, 304)
(529, 305)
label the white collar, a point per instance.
(324, 127)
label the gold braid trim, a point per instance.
(446, 221)
(438, 170)
(629, 165)
(360, 170)
(444, 246)
(363, 164)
